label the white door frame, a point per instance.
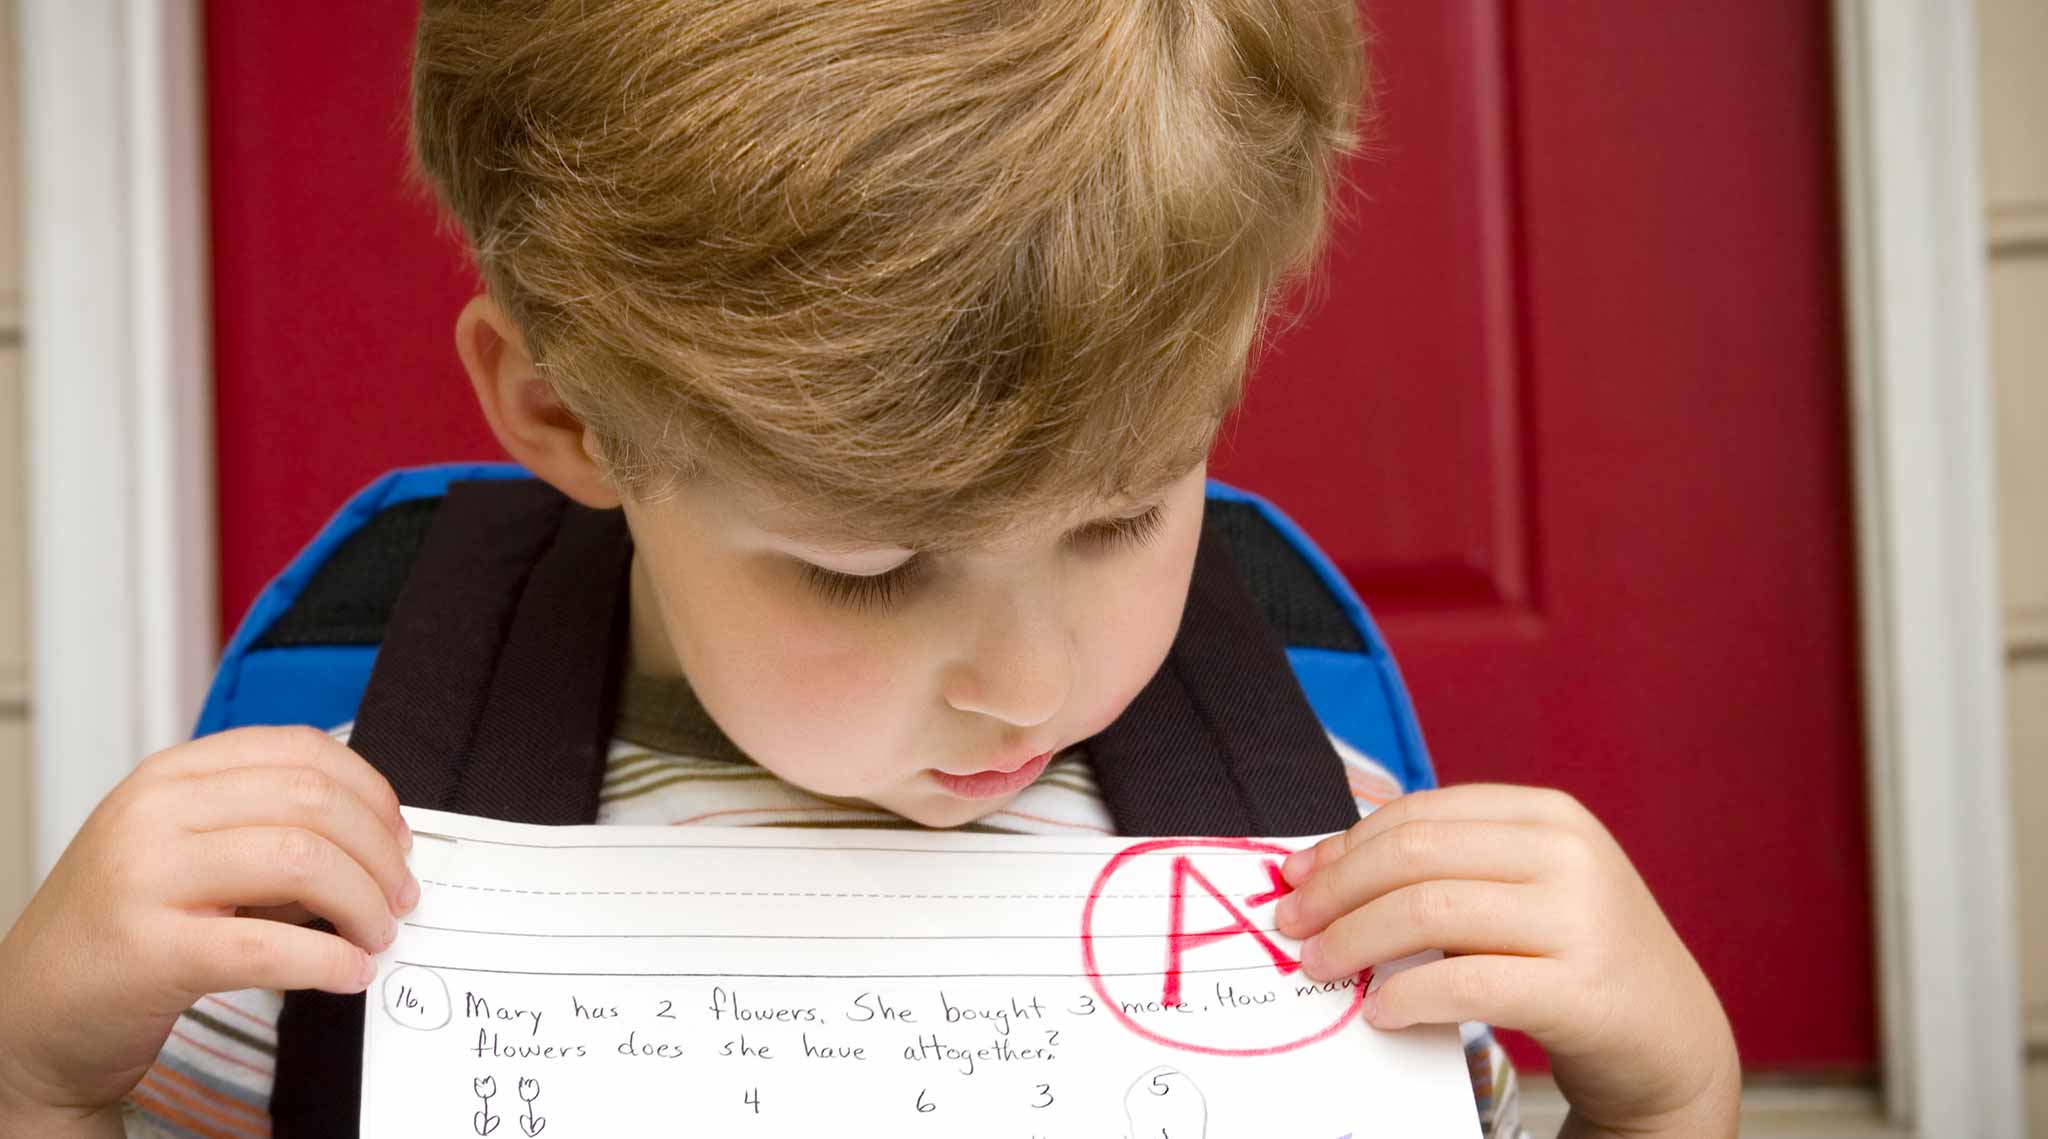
(121, 522)
(119, 383)
(1933, 653)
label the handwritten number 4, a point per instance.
(753, 1098)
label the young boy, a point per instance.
(899, 330)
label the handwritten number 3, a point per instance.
(1046, 1091)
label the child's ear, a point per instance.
(536, 430)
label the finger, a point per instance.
(1524, 993)
(287, 747)
(275, 866)
(1415, 851)
(1478, 802)
(249, 953)
(1454, 916)
(307, 798)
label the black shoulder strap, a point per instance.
(493, 692)
(492, 695)
(496, 685)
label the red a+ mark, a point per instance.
(1179, 940)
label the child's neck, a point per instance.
(650, 653)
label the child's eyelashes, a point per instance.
(1133, 531)
(869, 592)
(862, 592)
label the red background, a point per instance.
(1571, 416)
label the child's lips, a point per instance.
(994, 782)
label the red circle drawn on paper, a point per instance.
(1095, 975)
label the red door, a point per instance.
(1570, 416)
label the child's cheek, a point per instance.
(810, 701)
(1124, 645)
(1132, 617)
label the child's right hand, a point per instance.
(190, 878)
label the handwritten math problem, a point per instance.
(588, 981)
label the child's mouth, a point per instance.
(993, 784)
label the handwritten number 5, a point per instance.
(1046, 1091)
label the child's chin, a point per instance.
(937, 809)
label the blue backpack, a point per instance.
(303, 653)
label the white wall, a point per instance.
(14, 763)
(2013, 41)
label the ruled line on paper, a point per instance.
(1262, 967)
(1220, 852)
(873, 895)
(803, 936)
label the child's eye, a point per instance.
(1133, 531)
(863, 592)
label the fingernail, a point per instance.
(1296, 867)
(1370, 1006)
(1312, 955)
(404, 835)
(1283, 914)
(368, 973)
(408, 894)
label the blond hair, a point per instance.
(925, 263)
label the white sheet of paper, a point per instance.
(609, 980)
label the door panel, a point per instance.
(1593, 475)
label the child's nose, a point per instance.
(1020, 674)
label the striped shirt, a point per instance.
(214, 1075)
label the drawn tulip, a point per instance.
(483, 1122)
(532, 1121)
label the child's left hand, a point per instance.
(1547, 928)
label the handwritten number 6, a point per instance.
(1046, 1091)
(922, 1106)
